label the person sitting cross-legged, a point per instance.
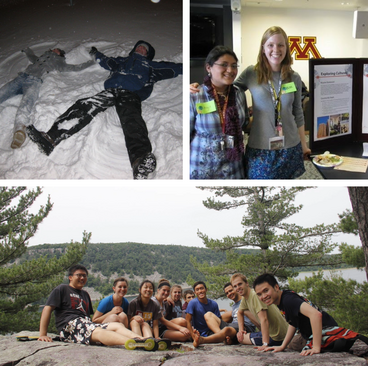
(198, 310)
(218, 325)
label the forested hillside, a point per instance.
(135, 261)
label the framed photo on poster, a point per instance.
(337, 90)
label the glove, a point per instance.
(93, 51)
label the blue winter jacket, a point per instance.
(137, 73)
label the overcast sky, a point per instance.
(162, 214)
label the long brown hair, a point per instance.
(263, 68)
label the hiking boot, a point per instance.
(42, 139)
(18, 139)
(143, 166)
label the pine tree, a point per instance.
(359, 202)
(282, 246)
(22, 284)
(351, 254)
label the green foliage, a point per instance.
(17, 225)
(25, 282)
(27, 319)
(352, 255)
(345, 300)
(348, 223)
(281, 247)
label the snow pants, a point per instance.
(27, 85)
(129, 109)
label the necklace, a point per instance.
(222, 111)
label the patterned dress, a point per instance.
(208, 160)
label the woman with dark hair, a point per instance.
(114, 308)
(217, 114)
(172, 329)
(276, 142)
(143, 310)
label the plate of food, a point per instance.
(327, 160)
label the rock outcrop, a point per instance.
(13, 352)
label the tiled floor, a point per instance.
(311, 171)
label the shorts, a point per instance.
(162, 330)
(256, 339)
(80, 330)
(224, 325)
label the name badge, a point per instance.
(206, 107)
(288, 88)
(276, 143)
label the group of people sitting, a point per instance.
(160, 314)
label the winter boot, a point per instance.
(42, 139)
(143, 166)
(18, 139)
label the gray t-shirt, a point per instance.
(263, 126)
(247, 323)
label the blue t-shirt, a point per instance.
(197, 310)
(107, 304)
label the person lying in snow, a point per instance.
(29, 82)
(130, 82)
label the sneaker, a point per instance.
(163, 344)
(42, 139)
(148, 344)
(18, 139)
(143, 166)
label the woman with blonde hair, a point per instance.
(276, 144)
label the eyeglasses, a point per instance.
(80, 275)
(225, 65)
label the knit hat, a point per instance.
(144, 45)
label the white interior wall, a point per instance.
(237, 35)
(333, 30)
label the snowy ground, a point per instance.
(113, 26)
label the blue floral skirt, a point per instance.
(274, 164)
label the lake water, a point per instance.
(348, 273)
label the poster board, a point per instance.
(337, 90)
